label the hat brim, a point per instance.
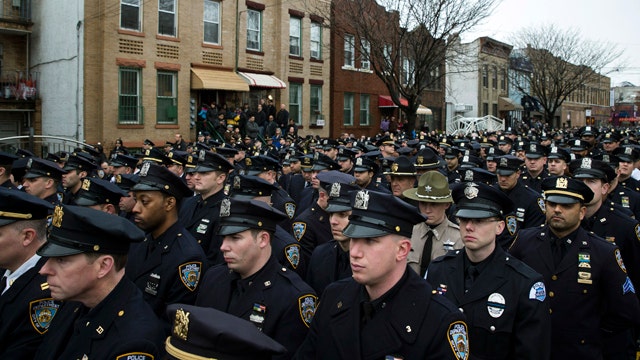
(533, 156)
(202, 168)
(475, 214)
(83, 201)
(50, 249)
(560, 199)
(145, 187)
(361, 231)
(32, 175)
(253, 172)
(232, 229)
(361, 169)
(505, 172)
(4, 222)
(334, 208)
(413, 195)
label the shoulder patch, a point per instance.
(135, 356)
(190, 274)
(637, 231)
(307, 307)
(292, 252)
(538, 292)
(290, 209)
(458, 339)
(299, 228)
(41, 313)
(512, 224)
(541, 204)
(619, 260)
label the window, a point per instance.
(211, 22)
(294, 36)
(349, 57)
(485, 77)
(316, 40)
(408, 69)
(167, 102)
(129, 97)
(347, 117)
(295, 102)
(130, 12)
(495, 110)
(494, 79)
(254, 30)
(365, 54)
(503, 80)
(364, 110)
(167, 17)
(315, 102)
(485, 109)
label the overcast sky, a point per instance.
(612, 21)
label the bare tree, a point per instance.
(561, 62)
(407, 41)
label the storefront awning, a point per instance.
(423, 110)
(384, 101)
(211, 79)
(263, 80)
(506, 104)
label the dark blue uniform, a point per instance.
(329, 263)
(589, 291)
(312, 228)
(120, 326)
(626, 198)
(167, 270)
(280, 200)
(631, 184)
(288, 251)
(409, 322)
(274, 299)
(26, 311)
(531, 182)
(200, 218)
(506, 306)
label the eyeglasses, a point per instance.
(476, 222)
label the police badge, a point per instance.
(190, 274)
(237, 182)
(512, 224)
(144, 169)
(307, 306)
(362, 200)
(225, 208)
(41, 313)
(335, 190)
(471, 191)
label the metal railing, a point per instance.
(41, 145)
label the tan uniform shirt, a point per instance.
(446, 236)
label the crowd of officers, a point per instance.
(529, 245)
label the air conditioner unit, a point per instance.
(463, 108)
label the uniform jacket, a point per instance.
(329, 263)
(288, 251)
(517, 326)
(446, 236)
(588, 292)
(200, 218)
(627, 198)
(170, 273)
(531, 182)
(280, 200)
(529, 209)
(276, 299)
(26, 311)
(417, 324)
(121, 325)
(311, 228)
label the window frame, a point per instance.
(173, 97)
(139, 111)
(258, 30)
(347, 119)
(315, 110)
(205, 22)
(349, 51)
(365, 111)
(365, 54)
(292, 37)
(315, 42)
(174, 15)
(128, 3)
(292, 105)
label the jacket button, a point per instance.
(554, 277)
(550, 311)
(492, 328)
(551, 294)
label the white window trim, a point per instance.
(259, 30)
(318, 41)
(175, 18)
(139, 5)
(211, 22)
(299, 35)
(349, 46)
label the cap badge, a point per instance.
(247, 161)
(427, 189)
(554, 149)
(394, 167)
(359, 161)
(534, 148)
(420, 160)
(225, 208)
(471, 191)
(586, 163)
(57, 216)
(236, 182)
(362, 200)
(86, 184)
(144, 169)
(29, 162)
(504, 162)
(181, 324)
(147, 152)
(605, 158)
(170, 155)
(562, 183)
(335, 190)
(468, 175)
(190, 159)
(628, 151)
(118, 179)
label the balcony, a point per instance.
(15, 16)
(18, 87)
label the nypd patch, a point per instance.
(458, 339)
(541, 204)
(135, 356)
(290, 209)
(299, 228)
(512, 224)
(292, 252)
(538, 291)
(42, 312)
(619, 260)
(307, 306)
(638, 232)
(190, 274)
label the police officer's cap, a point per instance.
(470, 161)
(306, 163)
(402, 166)
(535, 150)
(190, 165)
(339, 193)
(451, 152)
(432, 187)
(611, 137)
(328, 144)
(559, 153)
(577, 145)
(588, 131)
(240, 215)
(201, 333)
(565, 190)
(149, 142)
(18, 206)
(426, 159)
(323, 162)
(177, 157)
(126, 181)
(378, 214)
(365, 164)
(261, 163)
(94, 191)
(156, 156)
(588, 168)
(508, 164)
(6, 158)
(247, 187)
(23, 153)
(386, 140)
(119, 160)
(344, 154)
(227, 152)
(477, 174)
(405, 150)
(81, 162)
(504, 140)
(76, 230)
(159, 178)
(627, 153)
(37, 167)
(493, 153)
(480, 201)
(210, 161)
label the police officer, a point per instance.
(330, 261)
(104, 315)
(365, 171)
(436, 235)
(26, 308)
(6, 162)
(628, 199)
(99, 194)
(385, 310)
(126, 182)
(558, 161)
(41, 180)
(503, 298)
(199, 214)
(403, 177)
(587, 285)
(252, 284)
(535, 162)
(76, 168)
(168, 264)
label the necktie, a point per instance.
(3, 284)
(367, 311)
(556, 250)
(426, 253)
(472, 273)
